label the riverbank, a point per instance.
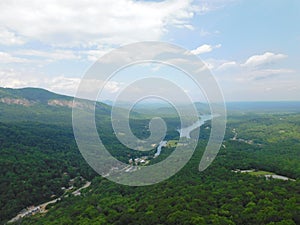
(184, 132)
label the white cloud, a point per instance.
(227, 65)
(15, 79)
(65, 85)
(10, 38)
(206, 6)
(37, 58)
(266, 58)
(262, 84)
(112, 86)
(204, 49)
(267, 73)
(60, 84)
(214, 64)
(69, 85)
(7, 58)
(92, 22)
(204, 33)
(187, 26)
(94, 55)
(256, 76)
(50, 55)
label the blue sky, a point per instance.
(251, 47)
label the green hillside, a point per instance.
(40, 161)
(32, 94)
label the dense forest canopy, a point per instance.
(39, 158)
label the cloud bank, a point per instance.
(91, 22)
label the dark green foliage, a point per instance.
(36, 160)
(216, 196)
(38, 156)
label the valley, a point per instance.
(39, 156)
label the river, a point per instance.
(161, 144)
(185, 132)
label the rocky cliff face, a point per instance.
(16, 101)
(55, 102)
(70, 104)
(52, 102)
(26, 102)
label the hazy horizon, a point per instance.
(158, 102)
(251, 51)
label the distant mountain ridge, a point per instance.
(39, 105)
(31, 95)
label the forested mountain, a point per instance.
(39, 105)
(38, 153)
(37, 95)
(39, 159)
